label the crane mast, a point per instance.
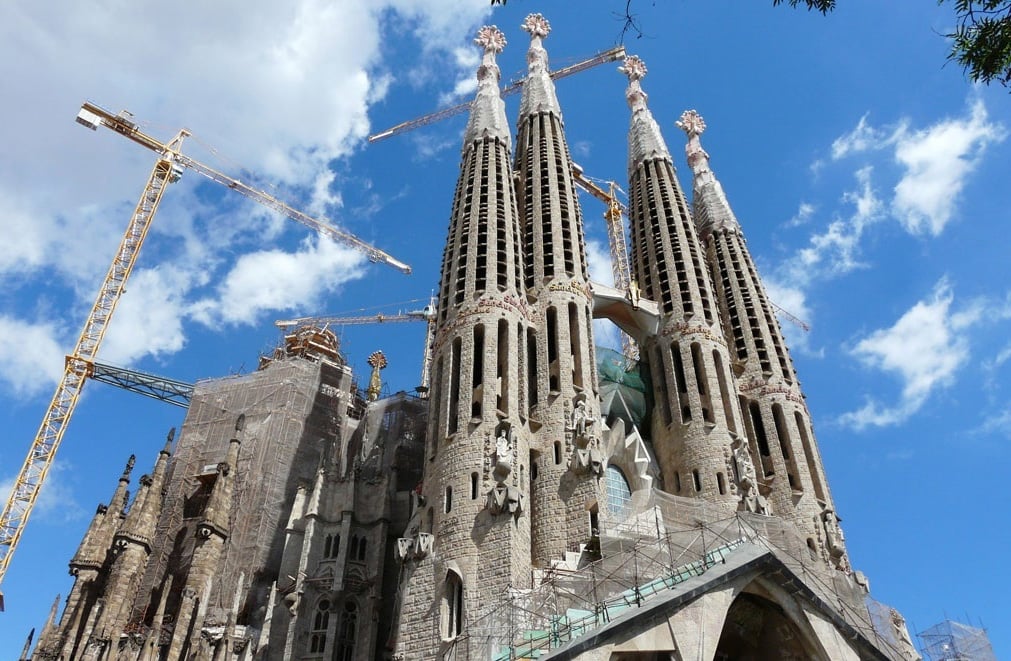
(68, 391)
(80, 364)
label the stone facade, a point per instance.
(515, 512)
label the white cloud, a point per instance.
(924, 349)
(282, 281)
(862, 138)
(598, 257)
(937, 162)
(282, 89)
(835, 250)
(56, 501)
(149, 317)
(794, 301)
(804, 213)
(31, 356)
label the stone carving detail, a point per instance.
(536, 25)
(415, 548)
(633, 67)
(503, 457)
(691, 122)
(747, 482)
(505, 500)
(491, 39)
(588, 460)
(834, 539)
(582, 425)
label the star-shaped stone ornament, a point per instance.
(633, 67)
(491, 39)
(536, 25)
(691, 123)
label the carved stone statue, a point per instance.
(581, 423)
(503, 459)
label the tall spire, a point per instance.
(558, 284)
(786, 462)
(712, 210)
(487, 111)
(695, 422)
(538, 88)
(644, 137)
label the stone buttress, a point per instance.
(476, 470)
(131, 547)
(565, 460)
(777, 423)
(695, 414)
(88, 567)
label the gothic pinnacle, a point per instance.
(487, 112)
(538, 88)
(693, 125)
(644, 137)
(711, 206)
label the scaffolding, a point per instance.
(644, 557)
(954, 641)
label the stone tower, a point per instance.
(476, 478)
(564, 408)
(695, 419)
(789, 470)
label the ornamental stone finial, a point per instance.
(691, 122)
(536, 25)
(491, 39)
(634, 68)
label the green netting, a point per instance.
(622, 388)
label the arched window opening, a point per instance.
(454, 386)
(809, 453)
(758, 429)
(702, 383)
(320, 623)
(531, 367)
(361, 549)
(721, 483)
(677, 482)
(477, 380)
(574, 350)
(698, 481)
(502, 367)
(784, 446)
(448, 501)
(346, 632)
(557, 447)
(728, 410)
(353, 548)
(812, 548)
(553, 366)
(452, 606)
(473, 486)
(619, 494)
(331, 546)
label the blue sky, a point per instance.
(870, 178)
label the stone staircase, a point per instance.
(562, 629)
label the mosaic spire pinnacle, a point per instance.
(644, 137)
(487, 112)
(712, 208)
(538, 89)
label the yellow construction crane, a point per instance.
(426, 314)
(611, 55)
(80, 363)
(614, 215)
